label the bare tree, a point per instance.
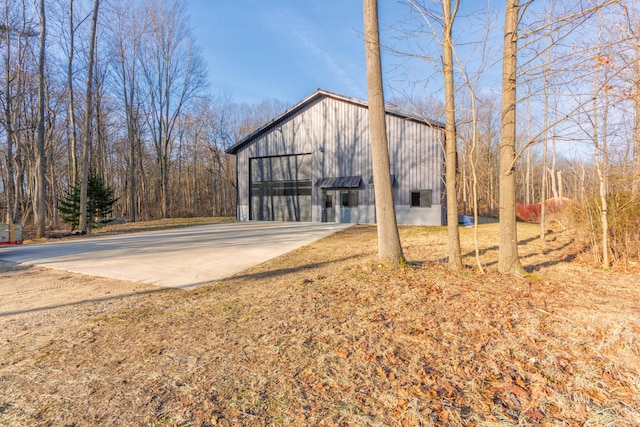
(472, 83)
(454, 255)
(86, 146)
(6, 32)
(127, 39)
(40, 201)
(635, 183)
(174, 74)
(73, 150)
(389, 248)
(508, 260)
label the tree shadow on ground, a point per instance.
(483, 251)
(84, 301)
(567, 258)
(252, 275)
(546, 251)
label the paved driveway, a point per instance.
(181, 258)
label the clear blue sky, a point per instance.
(284, 49)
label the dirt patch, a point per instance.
(326, 336)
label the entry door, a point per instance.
(329, 208)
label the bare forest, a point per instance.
(119, 90)
(126, 98)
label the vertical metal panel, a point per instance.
(336, 134)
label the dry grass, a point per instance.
(324, 336)
(131, 227)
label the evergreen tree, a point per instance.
(69, 206)
(100, 200)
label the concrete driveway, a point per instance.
(181, 258)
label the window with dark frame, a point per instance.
(349, 199)
(421, 198)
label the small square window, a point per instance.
(349, 199)
(421, 198)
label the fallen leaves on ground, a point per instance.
(323, 336)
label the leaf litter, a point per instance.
(326, 336)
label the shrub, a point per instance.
(623, 215)
(528, 213)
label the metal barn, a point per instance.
(313, 163)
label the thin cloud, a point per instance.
(306, 35)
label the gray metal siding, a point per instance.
(336, 133)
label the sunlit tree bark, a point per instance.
(73, 149)
(389, 248)
(40, 200)
(86, 146)
(453, 252)
(508, 259)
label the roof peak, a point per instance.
(318, 93)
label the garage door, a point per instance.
(281, 188)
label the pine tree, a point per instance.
(100, 200)
(69, 206)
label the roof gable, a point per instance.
(315, 96)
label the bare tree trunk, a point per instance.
(389, 248)
(10, 189)
(87, 121)
(560, 186)
(552, 171)
(20, 209)
(508, 259)
(528, 177)
(635, 182)
(40, 202)
(132, 171)
(545, 147)
(602, 169)
(474, 175)
(453, 252)
(72, 115)
(128, 47)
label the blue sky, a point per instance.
(283, 49)
(286, 49)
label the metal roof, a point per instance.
(340, 182)
(319, 94)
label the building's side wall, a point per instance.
(336, 134)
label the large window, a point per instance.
(282, 188)
(420, 198)
(349, 199)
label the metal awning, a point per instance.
(340, 182)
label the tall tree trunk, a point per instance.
(20, 204)
(87, 121)
(389, 248)
(72, 115)
(545, 147)
(40, 205)
(602, 169)
(453, 252)
(164, 172)
(10, 189)
(635, 183)
(508, 259)
(131, 167)
(602, 185)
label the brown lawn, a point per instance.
(326, 336)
